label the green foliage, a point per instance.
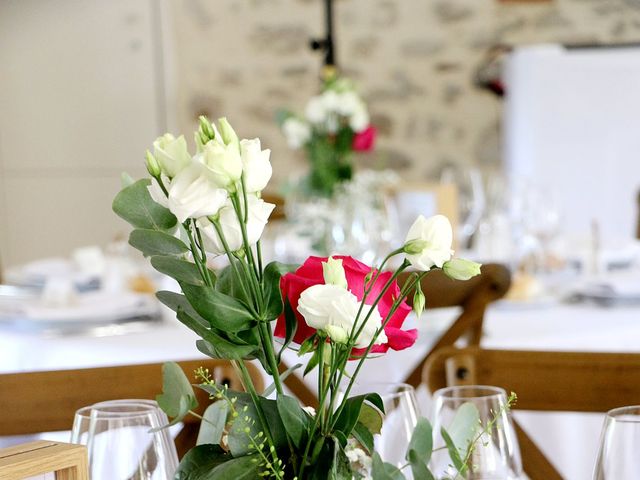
(294, 418)
(155, 242)
(420, 449)
(221, 311)
(273, 272)
(229, 284)
(179, 269)
(291, 326)
(351, 411)
(200, 462)
(135, 205)
(214, 420)
(177, 396)
(461, 434)
(283, 376)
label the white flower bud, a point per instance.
(461, 269)
(172, 154)
(437, 235)
(333, 272)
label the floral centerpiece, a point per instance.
(335, 124)
(336, 309)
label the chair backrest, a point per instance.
(549, 381)
(65, 461)
(407, 200)
(473, 296)
(35, 402)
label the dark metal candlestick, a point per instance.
(326, 44)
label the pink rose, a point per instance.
(363, 141)
(310, 273)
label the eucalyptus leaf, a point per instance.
(177, 396)
(177, 301)
(294, 419)
(422, 440)
(384, 471)
(218, 347)
(239, 437)
(464, 427)
(454, 453)
(419, 467)
(213, 422)
(135, 205)
(221, 311)
(179, 269)
(229, 284)
(155, 242)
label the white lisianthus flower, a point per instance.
(193, 193)
(333, 272)
(461, 269)
(359, 119)
(172, 154)
(331, 101)
(334, 307)
(297, 132)
(256, 165)
(157, 194)
(349, 103)
(259, 212)
(315, 111)
(223, 161)
(428, 242)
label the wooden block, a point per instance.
(67, 461)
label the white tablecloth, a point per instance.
(569, 439)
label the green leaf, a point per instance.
(384, 471)
(221, 311)
(294, 419)
(351, 411)
(217, 347)
(464, 427)
(313, 363)
(420, 449)
(283, 376)
(155, 242)
(340, 466)
(200, 462)
(419, 467)
(291, 325)
(238, 438)
(177, 301)
(180, 269)
(135, 205)
(214, 420)
(177, 396)
(454, 453)
(364, 436)
(273, 272)
(229, 284)
(242, 468)
(371, 418)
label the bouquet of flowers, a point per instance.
(335, 124)
(336, 309)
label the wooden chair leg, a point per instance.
(536, 465)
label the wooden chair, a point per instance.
(548, 381)
(65, 461)
(37, 402)
(473, 296)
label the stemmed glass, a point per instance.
(495, 454)
(400, 419)
(123, 442)
(619, 455)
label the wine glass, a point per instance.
(122, 440)
(476, 416)
(399, 421)
(619, 456)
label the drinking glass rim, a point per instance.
(144, 411)
(495, 392)
(617, 414)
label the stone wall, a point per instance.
(414, 61)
